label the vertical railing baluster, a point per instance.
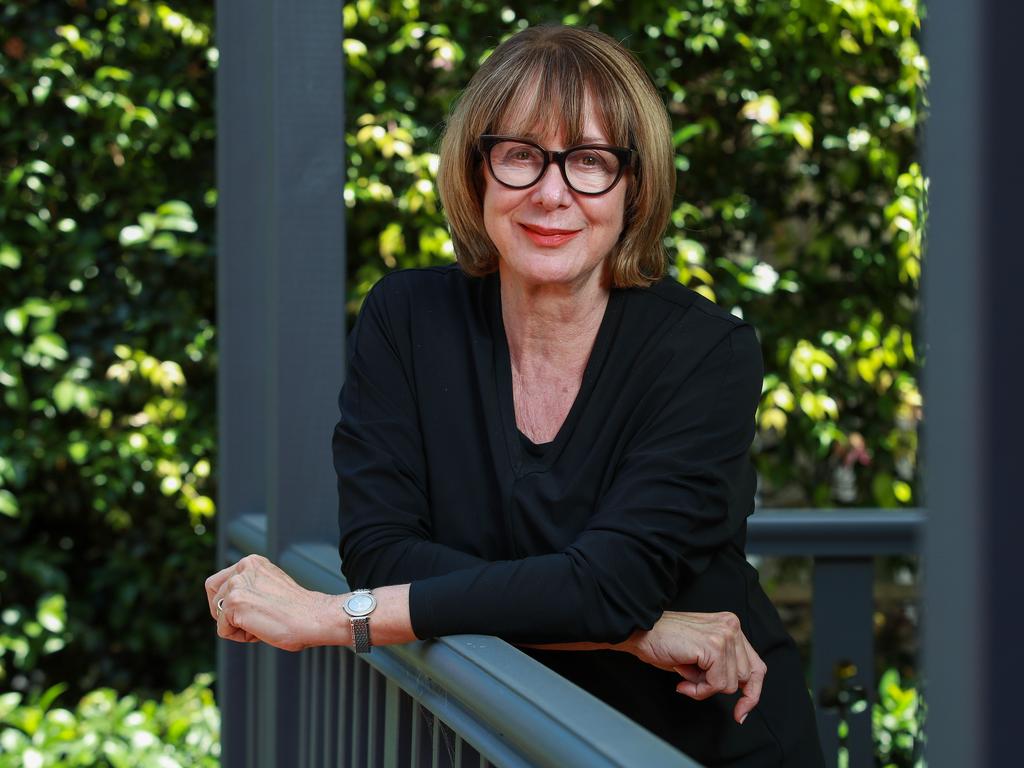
(392, 723)
(435, 743)
(359, 710)
(842, 656)
(373, 756)
(304, 697)
(329, 707)
(344, 707)
(416, 736)
(316, 686)
(252, 672)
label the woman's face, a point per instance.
(548, 234)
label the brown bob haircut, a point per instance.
(548, 76)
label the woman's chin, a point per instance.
(549, 269)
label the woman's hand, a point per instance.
(254, 600)
(710, 652)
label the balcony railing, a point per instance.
(459, 701)
(477, 701)
(843, 545)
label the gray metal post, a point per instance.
(842, 657)
(281, 294)
(973, 396)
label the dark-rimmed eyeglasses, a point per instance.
(589, 169)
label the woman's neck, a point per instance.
(552, 324)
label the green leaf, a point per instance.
(15, 320)
(8, 703)
(763, 109)
(113, 73)
(50, 695)
(10, 256)
(861, 93)
(52, 612)
(64, 395)
(51, 345)
(175, 208)
(8, 503)
(687, 132)
(133, 234)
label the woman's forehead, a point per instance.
(534, 114)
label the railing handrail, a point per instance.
(512, 709)
(835, 532)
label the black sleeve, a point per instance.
(680, 492)
(378, 457)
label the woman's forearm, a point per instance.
(390, 623)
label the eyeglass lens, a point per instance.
(520, 165)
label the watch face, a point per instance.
(360, 605)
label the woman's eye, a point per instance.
(589, 161)
(520, 155)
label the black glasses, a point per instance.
(590, 169)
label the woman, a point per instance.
(547, 442)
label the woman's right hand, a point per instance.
(709, 651)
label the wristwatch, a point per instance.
(359, 606)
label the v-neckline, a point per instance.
(522, 462)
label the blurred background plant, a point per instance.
(801, 206)
(107, 363)
(108, 731)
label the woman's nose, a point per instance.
(550, 191)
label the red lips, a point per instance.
(548, 237)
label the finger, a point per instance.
(227, 629)
(690, 672)
(743, 660)
(694, 682)
(214, 583)
(213, 586)
(751, 691)
(721, 671)
(698, 691)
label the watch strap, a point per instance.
(361, 634)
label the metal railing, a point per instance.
(466, 700)
(843, 545)
(473, 700)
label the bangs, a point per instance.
(553, 95)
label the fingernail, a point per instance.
(744, 718)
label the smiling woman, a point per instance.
(548, 442)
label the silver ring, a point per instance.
(220, 607)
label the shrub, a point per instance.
(105, 731)
(107, 356)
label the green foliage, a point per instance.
(897, 723)
(800, 201)
(107, 358)
(105, 731)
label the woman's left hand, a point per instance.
(254, 600)
(709, 651)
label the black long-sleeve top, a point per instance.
(637, 506)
